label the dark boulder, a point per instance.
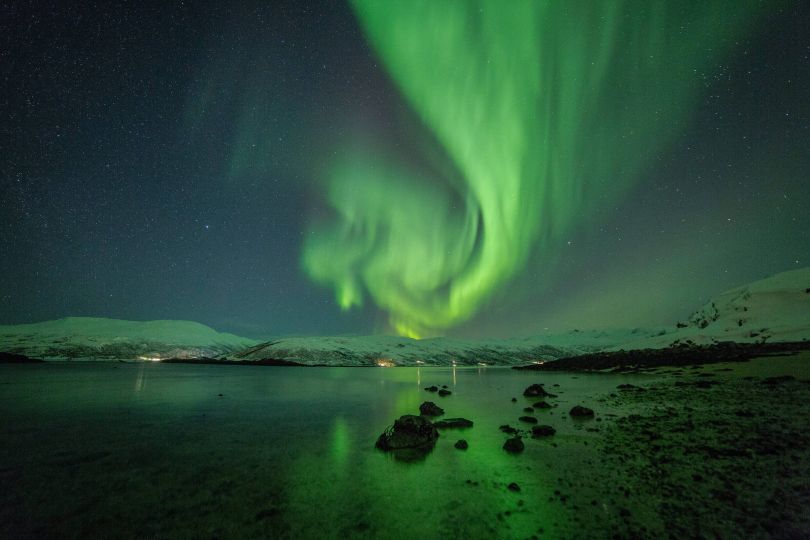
(543, 431)
(409, 431)
(429, 408)
(513, 487)
(578, 411)
(432, 388)
(536, 390)
(528, 419)
(453, 423)
(506, 428)
(444, 392)
(514, 445)
(461, 444)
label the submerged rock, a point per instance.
(409, 431)
(543, 431)
(433, 388)
(513, 487)
(444, 392)
(578, 411)
(428, 408)
(536, 390)
(506, 428)
(514, 445)
(528, 419)
(541, 405)
(528, 409)
(453, 423)
(461, 444)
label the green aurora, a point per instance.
(548, 112)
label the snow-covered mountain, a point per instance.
(772, 309)
(402, 351)
(91, 338)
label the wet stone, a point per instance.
(428, 408)
(543, 431)
(408, 431)
(578, 411)
(514, 445)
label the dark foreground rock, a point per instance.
(461, 444)
(443, 392)
(453, 423)
(536, 390)
(428, 408)
(514, 445)
(543, 431)
(409, 431)
(578, 411)
(528, 419)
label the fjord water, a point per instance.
(149, 449)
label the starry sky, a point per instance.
(295, 168)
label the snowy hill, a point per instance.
(772, 309)
(109, 339)
(401, 351)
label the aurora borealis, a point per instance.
(464, 168)
(541, 107)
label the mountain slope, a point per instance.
(772, 309)
(393, 350)
(109, 339)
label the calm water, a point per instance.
(154, 450)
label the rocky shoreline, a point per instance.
(684, 354)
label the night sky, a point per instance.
(446, 168)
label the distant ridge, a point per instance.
(775, 309)
(92, 338)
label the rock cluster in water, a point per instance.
(408, 431)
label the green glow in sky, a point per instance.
(547, 110)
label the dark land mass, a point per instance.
(682, 355)
(262, 362)
(11, 358)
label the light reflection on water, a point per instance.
(156, 449)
